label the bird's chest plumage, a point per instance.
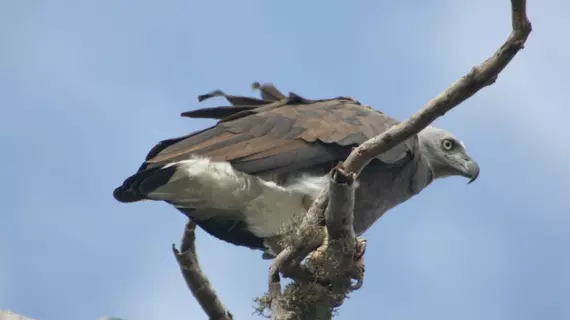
(380, 190)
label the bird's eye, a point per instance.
(448, 144)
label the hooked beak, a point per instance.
(469, 169)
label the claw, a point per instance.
(357, 272)
(360, 249)
(319, 253)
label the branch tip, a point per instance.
(195, 279)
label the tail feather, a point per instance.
(138, 186)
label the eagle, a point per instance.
(266, 159)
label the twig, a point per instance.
(196, 280)
(278, 312)
(479, 77)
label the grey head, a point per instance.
(446, 154)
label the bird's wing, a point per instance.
(280, 136)
(275, 134)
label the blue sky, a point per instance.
(87, 87)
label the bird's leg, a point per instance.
(318, 255)
(358, 268)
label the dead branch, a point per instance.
(333, 261)
(195, 279)
(479, 77)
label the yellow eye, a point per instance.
(448, 144)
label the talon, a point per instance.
(357, 285)
(360, 249)
(319, 253)
(357, 274)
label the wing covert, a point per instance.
(280, 135)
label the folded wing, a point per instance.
(281, 136)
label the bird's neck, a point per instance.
(423, 174)
(427, 160)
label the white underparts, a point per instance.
(264, 205)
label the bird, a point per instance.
(265, 161)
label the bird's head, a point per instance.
(446, 154)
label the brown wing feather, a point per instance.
(285, 135)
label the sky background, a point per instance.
(88, 87)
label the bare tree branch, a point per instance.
(333, 261)
(479, 77)
(195, 279)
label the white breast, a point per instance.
(265, 206)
